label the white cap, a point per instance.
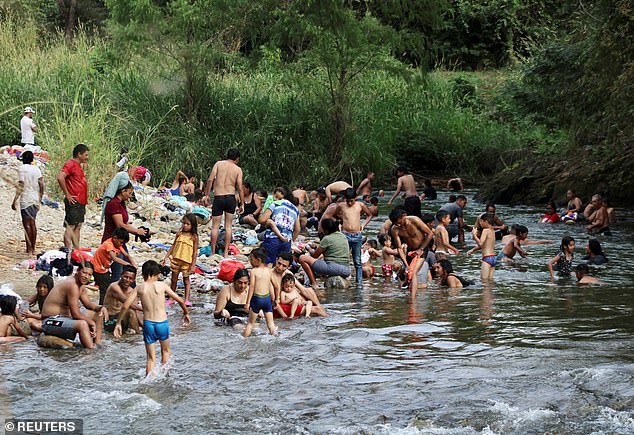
(28, 109)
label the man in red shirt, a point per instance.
(73, 182)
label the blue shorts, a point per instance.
(261, 303)
(153, 331)
(274, 247)
(501, 256)
(491, 259)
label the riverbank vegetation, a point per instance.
(314, 90)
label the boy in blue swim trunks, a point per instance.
(260, 296)
(486, 242)
(155, 324)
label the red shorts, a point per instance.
(387, 270)
(287, 310)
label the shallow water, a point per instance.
(524, 355)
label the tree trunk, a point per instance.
(69, 16)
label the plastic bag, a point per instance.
(228, 269)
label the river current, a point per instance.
(523, 355)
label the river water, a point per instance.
(524, 355)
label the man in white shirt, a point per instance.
(28, 127)
(29, 191)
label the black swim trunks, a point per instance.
(223, 204)
(75, 213)
(412, 206)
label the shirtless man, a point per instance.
(335, 188)
(350, 212)
(408, 185)
(599, 219)
(61, 316)
(412, 231)
(329, 213)
(320, 203)
(225, 178)
(116, 295)
(301, 194)
(365, 188)
(280, 269)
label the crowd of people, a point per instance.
(413, 248)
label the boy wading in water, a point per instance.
(155, 325)
(486, 242)
(260, 296)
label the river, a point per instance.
(524, 355)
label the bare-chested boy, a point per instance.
(486, 242)
(441, 236)
(412, 231)
(116, 295)
(264, 294)
(155, 325)
(407, 184)
(61, 315)
(335, 188)
(350, 212)
(513, 246)
(225, 178)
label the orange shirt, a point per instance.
(102, 261)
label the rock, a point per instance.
(53, 342)
(336, 282)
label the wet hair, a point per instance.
(8, 304)
(129, 268)
(489, 205)
(286, 256)
(428, 217)
(382, 238)
(247, 186)
(150, 268)
(321, 189)
(85, 265)
(288, 277)
(486, 217)
(461, 198)
(193, 220)
(374, 200)
(582, 268)
(551, 203)
(27, 157)
(373, 243)
(121, 234)
(233, 154)
(440, 214)
(350, 193)
(80, 148)
(240, 273)
(329, 226)
(515, 228)
(455, 184)
(446, 265)
(565, 242)
(46, 280)
(521, 229)
(452, 198)
(595, 247)
(402, 170)
(427, 182)
(396, 214)
(259, 253)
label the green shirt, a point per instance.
(335, 247)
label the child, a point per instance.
(43, 286)
(292, 300)
(388, 256)
(184, 253)
(441, 236)
(374, 206)
(155, 325)
(275, 199)
(368, 252)
(8, 320)
(563, 260)
(260, 297)
(486, 242)
(513, 246)
(107, 254)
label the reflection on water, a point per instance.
(521, 355)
